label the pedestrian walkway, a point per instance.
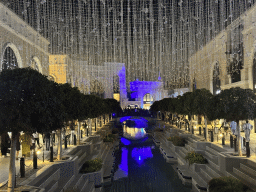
(43, 158)
(218, 139)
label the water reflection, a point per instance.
(141, 154)
(123, 167)
(134, 133)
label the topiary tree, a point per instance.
(71, 101)
(28, 103)
(202, 104)
(188, 106)
(237, 104)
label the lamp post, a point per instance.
(222, 135)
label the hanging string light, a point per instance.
(151, 37)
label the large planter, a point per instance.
(96, 177)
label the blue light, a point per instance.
(125, 141)
(141, 154)
(125, 118)
(124, 161)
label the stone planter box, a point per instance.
(195, 167)
(96, 177)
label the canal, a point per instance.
(140, 165)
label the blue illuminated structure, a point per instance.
(139, 121)
(140, 88)
(125, 118)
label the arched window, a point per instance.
(9, 59)
(216, 79)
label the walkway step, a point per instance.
(89, 187)
(248, 168)
(211, 156)
(209, 173)
(42, 182)
(249, 177)
(52, 186)
(198, 182)
(66, 181)
(213, 171)
(244, 180)
(82, 181)
(214, 164)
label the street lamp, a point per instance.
(222, 135)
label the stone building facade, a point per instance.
(229, 59)
(22, 43)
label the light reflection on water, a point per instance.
(141, 154)
(123, 167)
(134, 133)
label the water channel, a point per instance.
(141, 166)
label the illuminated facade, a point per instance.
(229, 59)
(21, 45)
(144, 93)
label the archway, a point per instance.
(11, 58)
(36, 64)
(147, 101)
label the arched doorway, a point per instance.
(147, 101)
(216, 79)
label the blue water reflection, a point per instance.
(141, 154)
(123, 166)
(125, 141)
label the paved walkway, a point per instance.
(218, 141)
(43, 160)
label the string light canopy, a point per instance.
(152, 37)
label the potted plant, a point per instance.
(177, 141)
(91, 166)
(193, 157)
(222, 184)
(93, 170)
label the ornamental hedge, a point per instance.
(193, 157)
(177, 141)
(91, 166)
(226, 184)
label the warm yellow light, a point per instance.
(221, 135)
(38, 152)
